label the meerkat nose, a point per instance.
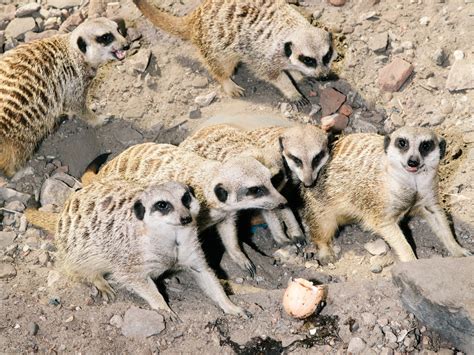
(413, 162)
(186, 220)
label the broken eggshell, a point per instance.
(301, 297)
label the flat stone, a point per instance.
(54, 192)
(377, 247)
(139, 62)
(392, 76)
(205, 100)
(439, 292)
(63, 4)
(6, 239)
(116, 321)
(7, 271)
(378, 43)
(330, 101)
(28, 9)
(142, 323)
(19, 26)
(7, 194)
(461, 75)
(356, 346)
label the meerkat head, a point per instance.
(100, 40)
(244, 183)
(304, 149)
(309, 51)
(414, 149)
(171, 203)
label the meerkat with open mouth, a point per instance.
(43, 79)
(277, 43)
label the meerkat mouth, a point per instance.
(413, 169)
(119, 54)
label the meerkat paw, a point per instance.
(459, 252)
(232, 89)
(238, 311)
(299, 103)
(170, 315)
(299, 240)
(326, 258)
(106, 291)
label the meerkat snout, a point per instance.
(100, 40)
(415, 149)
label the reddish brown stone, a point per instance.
(393, 75)
(346, 110)
(336, 122)
(330, 101)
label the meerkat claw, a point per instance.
(250, 266)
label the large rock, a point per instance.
(6, 239)
(440, 292)
(57, 189)
(461, 75)
(28, 9)
(7, 194)
(19, 26)
(63, 4)
(392, 76)
(142, 323)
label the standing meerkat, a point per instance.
(298, 152)
(222, 189)
(43, 79)
(276, 41)
(135, 234)
(376, 182)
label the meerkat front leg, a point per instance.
(297, 75)
(393, 235)
(321, 232)
(106, 291)
(293, 229)
(289, 90)
(438, 223)
(228, 232)
(222, 71)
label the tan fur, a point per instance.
(362, 183)
(117, 227)
(268, 35)
(43, 79)
(156, 163)
(42, 219)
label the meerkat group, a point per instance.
(140, 214)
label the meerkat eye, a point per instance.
(162, 206)
(308, 61)
(426, 147)
(401, 143)
(317, 159)
(257, 191)
(105, 39)
(186, 199)
(297, 161)
(328, 56)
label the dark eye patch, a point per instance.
(402, 144)
(317, 158)
(308, 61)
(328, 56)
(278, 179)
(426, 147)
(164, 207)
(297, 161)
(105, 39)
(186, 199)
(257, 191)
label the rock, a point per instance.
(33, 328)
(55, 192)
(458, 55)
(330, 101)
(390, 338)
(317, 14)
(377, 247)
(378, 43)
(33, 36)
(205, 100)
(6, 239)
(194, 112)
(336, 122)
(439, 57)
(407, 45)
(72, 22)
(392, 76)
(142, 323)
(28, 9)
(116, 321)
(53, 277)
(461, 75)
(439, 293)
(19, 26)
(346, 110)
(376, 268)
(368, 319)
(386, 351)
(15, 206)
(139, 62)
(20, 174)
(7, 194)
(7, 271)
(63, 4)
(356, 346)
(199, 82)
(424, 21)
(337, 2)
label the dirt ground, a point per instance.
(155, 105)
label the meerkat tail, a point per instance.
(175, 25)
(44, 220)
(90, 174)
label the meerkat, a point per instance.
(135, 233)
(222, 188)
(277, 43)
(376, 181)
(298, 152)
(43, 79)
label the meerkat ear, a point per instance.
(221, 193)
(288, 50)
(442, 148)
(139, 210)
(191, 190)
(122, 27)
(386, 143)
(82, 44)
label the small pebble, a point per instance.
(33, 328)
(458, 55)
